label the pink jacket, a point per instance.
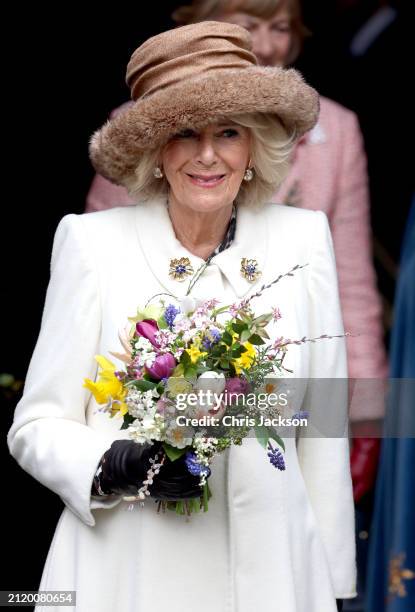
(328, 173)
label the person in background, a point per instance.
(329, 173)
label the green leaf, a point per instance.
(218, 350)
(144, 385)
(224, 363)
(191, 371)
(178, 371)
(262, 435)
(206, 496)
(161, 322)
(255, 339)
(220, 310)
(227, 338)
(128, 419)
(263, 333)
(276, 438)
(246, 319)
(263, 320)
(245, 335)
(239, 327)
(237, 352)
(242, 321)
(185, 359)
(194, 505)
(172, 452)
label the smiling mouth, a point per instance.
(206, 181)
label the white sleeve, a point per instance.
(49, 437)
(325, 461)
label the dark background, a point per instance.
(65, 72)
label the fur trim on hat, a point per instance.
(115, 149)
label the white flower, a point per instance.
(146, 429)
(201, 321)
(148, 359)
(178, 353)
(189, 335)
(188, 304)
(141, 403)
(137, 435)
(179, 436)
(142, 344)
(181, 323)
(211, 381)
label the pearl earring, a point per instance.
(249, 174)
(158, 173)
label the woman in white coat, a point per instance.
(204, 146)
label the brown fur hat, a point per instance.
(186, 78)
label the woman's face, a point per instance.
(271, 38)
(205, 168)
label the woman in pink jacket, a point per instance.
(328, 173)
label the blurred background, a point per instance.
(67, 75)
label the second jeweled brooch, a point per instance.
(250, 270)
(180, 268)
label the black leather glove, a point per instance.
(339, 603)
(125, 465)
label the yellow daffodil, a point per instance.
(246, 360)
(194, 353)
(108, 389)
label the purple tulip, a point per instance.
(148, 329)
(235, 386)
(162, 367)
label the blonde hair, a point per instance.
(202, 10)
(271, 149)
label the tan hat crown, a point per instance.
(187, 78)
(187, 52)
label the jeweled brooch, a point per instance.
(250, 270)
(180, 268)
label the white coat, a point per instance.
(271, 540)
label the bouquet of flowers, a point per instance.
(188, 366)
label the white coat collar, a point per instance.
(159, 245)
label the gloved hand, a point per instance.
(175, 482)
(125, 465)
(364, 461)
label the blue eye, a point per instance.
(230, 133)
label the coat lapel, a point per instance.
(160, 245)
(251, 242)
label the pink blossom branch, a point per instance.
(305, 339)
(289, 273)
